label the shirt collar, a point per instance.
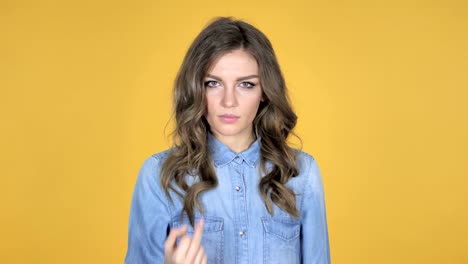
(222, 154)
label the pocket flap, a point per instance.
(212, 224)
(284, 228)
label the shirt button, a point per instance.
(238, 188)
(238, 159)
(242, 233)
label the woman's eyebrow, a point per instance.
(238, 79)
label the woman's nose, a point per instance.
(229, 98)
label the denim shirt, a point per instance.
(238, 227)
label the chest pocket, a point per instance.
(213, 235)
(281, 240)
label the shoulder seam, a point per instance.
(158, 159)
(310, 159)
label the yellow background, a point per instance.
(380, 90)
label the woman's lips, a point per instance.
(228, 118)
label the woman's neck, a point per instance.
(236, 144)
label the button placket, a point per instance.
(241, 209)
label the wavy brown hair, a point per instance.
(273, 124)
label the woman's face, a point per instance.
(233, 95)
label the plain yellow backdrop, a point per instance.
(380, 90)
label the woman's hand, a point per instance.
(189, 250)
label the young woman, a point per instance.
(230, 190)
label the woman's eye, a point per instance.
(247, 84)
(211, 83)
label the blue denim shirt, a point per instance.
(238, 227)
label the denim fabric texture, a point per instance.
(238, 227)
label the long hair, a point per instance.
(273, 124)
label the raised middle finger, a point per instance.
(196, 241)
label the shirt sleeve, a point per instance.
(149, 217)
(314, 234)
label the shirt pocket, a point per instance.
(212, 238)
(281, 241)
